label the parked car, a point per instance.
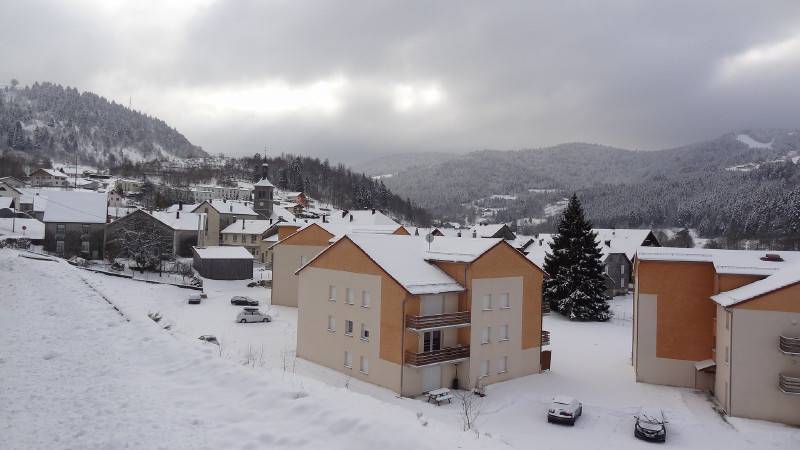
(194, 299)
(252, 315)
(209, 338)
(650, 425)
(564, 409)
(243, 301)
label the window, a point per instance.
(348, 327)
(622, 269)
(364, 366)
(235, 238)
(622, 282)
(503, 333)
(364, 332)
(85, 246)
(61, 228)
(332, 293)
(505, 301)
(485, 368)
(59, 246)
(252, 238)
(351, 296)
(487, 302)
(331, 324)
(365, 300)
(502, 364)
(85, 228)
(432, 340)
(485, 335)
(348, 360)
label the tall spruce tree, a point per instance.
(576, 287)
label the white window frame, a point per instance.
(348, 324)
(364, 332)
(502, 335)
(486, 335)
(350, 296)
(348, 359)
(485, 367)
(366, 299)
(331, 323)
(502, 364)
(363, 365)
(332, 293)
(505, 300)
(85, 246)
(487, 302)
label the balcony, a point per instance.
(449, 354)
(790, 345)
(789, 385)
(448, 320)
(545, 338)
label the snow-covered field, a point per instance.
(74, 373)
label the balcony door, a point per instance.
(432, 305)
(432, 340)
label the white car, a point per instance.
(252, 315)
(564, 409)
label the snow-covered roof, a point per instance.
(403, 258)
(51, 172)
(5, 202)
(362, 217)
(454, 249)
(734, 262)
(186, 207)
(621, 240)
(244, 226)
(230, 207)
(223, 252)
(485, 231)
(183, 221)
(76, 207)
(784, 277)
(13, 228)
(264, 183)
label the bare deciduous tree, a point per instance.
(469, 408)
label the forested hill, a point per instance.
(742, 184)
(50, 121)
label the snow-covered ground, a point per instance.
(75, 374)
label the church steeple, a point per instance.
(263, 192)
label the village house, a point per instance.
(299, 247)
(12, 181)
(48, 178)
(178, 231)
(248, 234)
(9, 191)
(725, 321)
(75, 223)
(391, 311)
(220, 214)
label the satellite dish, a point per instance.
(429, 238)
(24, 228)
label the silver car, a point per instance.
(564, 409)
(252, 315)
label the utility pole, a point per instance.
(76, 168)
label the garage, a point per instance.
(223, 262)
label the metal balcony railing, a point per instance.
(790, 345)
(545, 338)
(788, 384)
(449, 354)
(456, 319)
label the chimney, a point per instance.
(231, 207)
(608, 243)
(373, 211)
(772, 257)
(324, 219)
(458, 234)
(243, 221)
(351, 217)
(178, 214)
(270, 221)
(180, 205)
(474, 233)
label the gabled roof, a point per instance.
(486, 231)
(245, 226)
(361, 217)
(6, 187)
(186, 207)
(51, 172)
(785, 277)
(264, 183)
(454, 249)
(229, 207)
(734, 262)
(76, 207)
(620, 240)
(185, 221)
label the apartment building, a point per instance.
(725, 321)
(303, 244)
(413, 317)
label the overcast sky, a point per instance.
(355, 79)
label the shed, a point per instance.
(223, 262)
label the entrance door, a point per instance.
(431, 378)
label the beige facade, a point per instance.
(286, 259)
(734, 351)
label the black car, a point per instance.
(650, 425)
(243, 301)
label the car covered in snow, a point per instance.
(194, 299)
(252, 315)
(209, 338)
(650, 425)
(564, 409)
(241, 300)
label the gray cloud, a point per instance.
(354, 79)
